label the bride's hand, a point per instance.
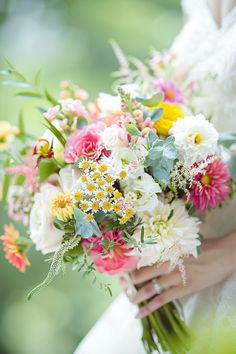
(215, 263)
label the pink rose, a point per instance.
(85, 142)
(114, 261)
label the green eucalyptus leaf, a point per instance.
(157, 114)
(152, 137)
(227, 139)
(132, 129)
(96, 229)
(84, 228)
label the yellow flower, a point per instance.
(122, 174)
(117, 207)
(89, 217)
(101, 182)
(171, 113)
(106, 205)
(78, 196)
(84, 178)
(91, 187)
(96, 175)
(95, 206)
(100, 195)
(129, 212)
(84, 206)
(109, 179)
(117, 195)
(62, 207)
(123, 220)
(109, 189)
(7, 132)
(103, 167)
(85, 165)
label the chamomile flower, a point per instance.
(62, 207)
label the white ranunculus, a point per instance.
(43, 233)
(109, 104)
(195, 138)
(114, 136)
(145, 189)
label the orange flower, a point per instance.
(14, 249)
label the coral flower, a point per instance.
(212, 187)
(13, 248)
(110, 254)
(62, 207)
(171, 113)
(171, 92)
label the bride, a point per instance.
(206, 47)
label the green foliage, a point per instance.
(232, 167)
(46, 168)
(131, 128)
(81, 122)
(161, 157)
(151, 102)
(85, 228)
(56, 265)
(227, 139)
(55, 132)
(157, 114)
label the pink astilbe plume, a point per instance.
(113, 260)
(210, 188)
(28, 169)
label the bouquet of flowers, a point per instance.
(113, 185)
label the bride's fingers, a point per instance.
(165, 282)
(160, 300)
(147, 273)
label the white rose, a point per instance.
(109, 104)
(43, 233)
(69, 179)
(114, 136)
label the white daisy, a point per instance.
(195, 138)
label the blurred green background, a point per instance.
(67, 39)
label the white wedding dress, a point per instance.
(209, 54)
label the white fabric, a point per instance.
(208, 53)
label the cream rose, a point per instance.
(43, 233)
(114, 137)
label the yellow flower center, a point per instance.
(84, 206)
(117, 206)
(95, 206)
(96, 175)
(100, 195)
(85, 165)
(89, 217)
(84, 178)
(103, 167)
(109, 189)
(122, 174)
(197, 137)
(109, 179)
(123, 220)
(117, 195)
(106, 205)
(101, 182)
(206, 180)
(78, 196)
(129, 212)
(91, 187)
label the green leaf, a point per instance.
(50, 98)
(18, 75)
(95, 227)
(81, 122)
(56, 265)
(152, 137)
(5, 72)
(154, 101)
(131, 128)
(84, 228)
(5, 186)
(46, 168)
(79, 214)
(157, 114)
(28, 94)
(142, 234)
(16, 83)
(227, 139)
(21, 124)
(55, 131)
(37, 78)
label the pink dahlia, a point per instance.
(85, 142)
(212, 187)
(110, 253)
(171, 92)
